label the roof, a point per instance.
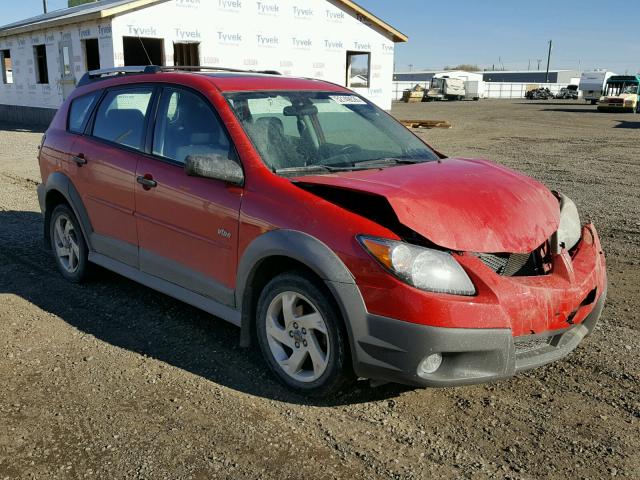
(397, 35)
(240, 82)
(81, 13)
(556, 70)
(222, 81)
(480, 71)
(514, 76)
(624, 79)
(109, 8)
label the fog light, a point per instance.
(430, 364)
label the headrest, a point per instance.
(273, 125)
(126, 116)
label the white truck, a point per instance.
(445, 88)
(592, 84)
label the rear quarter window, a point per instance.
(80, 110)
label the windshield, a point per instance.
(298, 130)
(615, 89)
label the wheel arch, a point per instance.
(60, 189)
(279, 251)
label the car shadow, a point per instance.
(127, 315)
(20, 127)
(572, 110)
(627, 124)
(552, 103)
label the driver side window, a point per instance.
(186, 125)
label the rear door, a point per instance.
(107, 156)
(58, 148)
(187, 226)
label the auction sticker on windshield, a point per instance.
(347, 100)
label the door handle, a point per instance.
(146, 181)
(79, 159)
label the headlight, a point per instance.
(424, 268)
(570, 229)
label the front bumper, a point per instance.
(511, 325)
(615, 107)
(470, 355)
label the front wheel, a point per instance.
(302, 337)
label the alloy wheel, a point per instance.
(65, 241)
(297, 336)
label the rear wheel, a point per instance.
(67, 244)
(302, 337)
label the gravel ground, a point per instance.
(113, 380)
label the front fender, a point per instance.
(365, 348)
(303, 248)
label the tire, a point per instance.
(68, 245)
(305, 348)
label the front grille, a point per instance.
(518, 264)
(529, 344)
(497, 263)
(506, 264)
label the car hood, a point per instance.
(460, 204)
(623, 96)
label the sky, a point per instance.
(509, 34)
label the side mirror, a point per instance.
(214, 166)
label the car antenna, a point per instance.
(145, 50)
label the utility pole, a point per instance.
(44, 5)
(546, 78)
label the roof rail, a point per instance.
(197, 68)
(102, 73)
(95, 75)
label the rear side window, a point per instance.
(80, 110)
(120, 116)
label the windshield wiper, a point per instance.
(381, 162)
(303, 169)
(364, 165)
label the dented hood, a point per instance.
(460, 204)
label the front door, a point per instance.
(187, 226)
(67, 78)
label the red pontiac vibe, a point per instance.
(339, 242)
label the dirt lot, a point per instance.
(113, 380)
